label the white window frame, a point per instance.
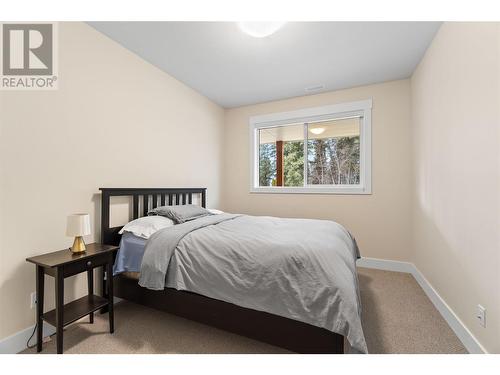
(362, 108)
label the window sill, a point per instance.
(352, 190)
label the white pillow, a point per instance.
(213, 211)
(145, 226)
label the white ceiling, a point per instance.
(234, 69)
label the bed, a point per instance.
(227, 303)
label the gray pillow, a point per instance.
(180, 214)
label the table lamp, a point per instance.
(78, 226)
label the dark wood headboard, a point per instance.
(151, 198)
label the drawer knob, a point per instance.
(89, 263)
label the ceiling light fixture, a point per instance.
(317, 131)
(260, 29)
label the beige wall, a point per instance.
(381, 221)
(115, 121)
(456, 142)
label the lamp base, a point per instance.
(78, 245)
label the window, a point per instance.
(316, 150)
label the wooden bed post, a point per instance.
(105, 205)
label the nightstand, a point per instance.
(62, 264)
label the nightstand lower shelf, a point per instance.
(77, 309)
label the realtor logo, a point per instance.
(28, 56)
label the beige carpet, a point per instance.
(397, 318)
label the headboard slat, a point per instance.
(145, 204)
(136, 207)
(110, 236)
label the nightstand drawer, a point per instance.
(85, 265)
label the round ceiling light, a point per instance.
(317, 131)
(260, 29)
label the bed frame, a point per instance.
(275, 330)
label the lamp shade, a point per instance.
(78, 225)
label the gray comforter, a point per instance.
(297, 268)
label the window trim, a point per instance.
(362, 108)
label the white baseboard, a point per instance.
(386, 265)
(464, 335)
(17, 342)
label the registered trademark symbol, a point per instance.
(54, 78)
